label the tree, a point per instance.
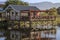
(15, 2)
(3, 25)
(58, 10)
(53, 11)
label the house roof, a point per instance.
(1, 9)
(21, 7)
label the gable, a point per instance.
(18, 8)
(10, 7)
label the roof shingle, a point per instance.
(21, 7)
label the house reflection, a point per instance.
(43, 35)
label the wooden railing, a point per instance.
(22, 18)
(44, 18)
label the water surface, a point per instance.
(57, 35)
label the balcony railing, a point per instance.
(23, 18)
(44, 18)
(26, 18)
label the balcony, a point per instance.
(43, 18)
(33, 18)
(24, 18)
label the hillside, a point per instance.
(45, 5)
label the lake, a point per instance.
(57, 35)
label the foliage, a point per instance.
(53, 11)
(43, 14)
(58, 10)
(15, 2)
(3, 24)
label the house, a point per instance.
(19, 12)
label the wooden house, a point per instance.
(26, 14)
(18, 12)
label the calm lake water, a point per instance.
(57, 35)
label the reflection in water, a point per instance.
(57, 35)
(49, 35)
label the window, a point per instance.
(12, 13)
(16, 13)
(8, 14)
(0, 15)
(17, 36)
(24, 14)
(12, 35)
